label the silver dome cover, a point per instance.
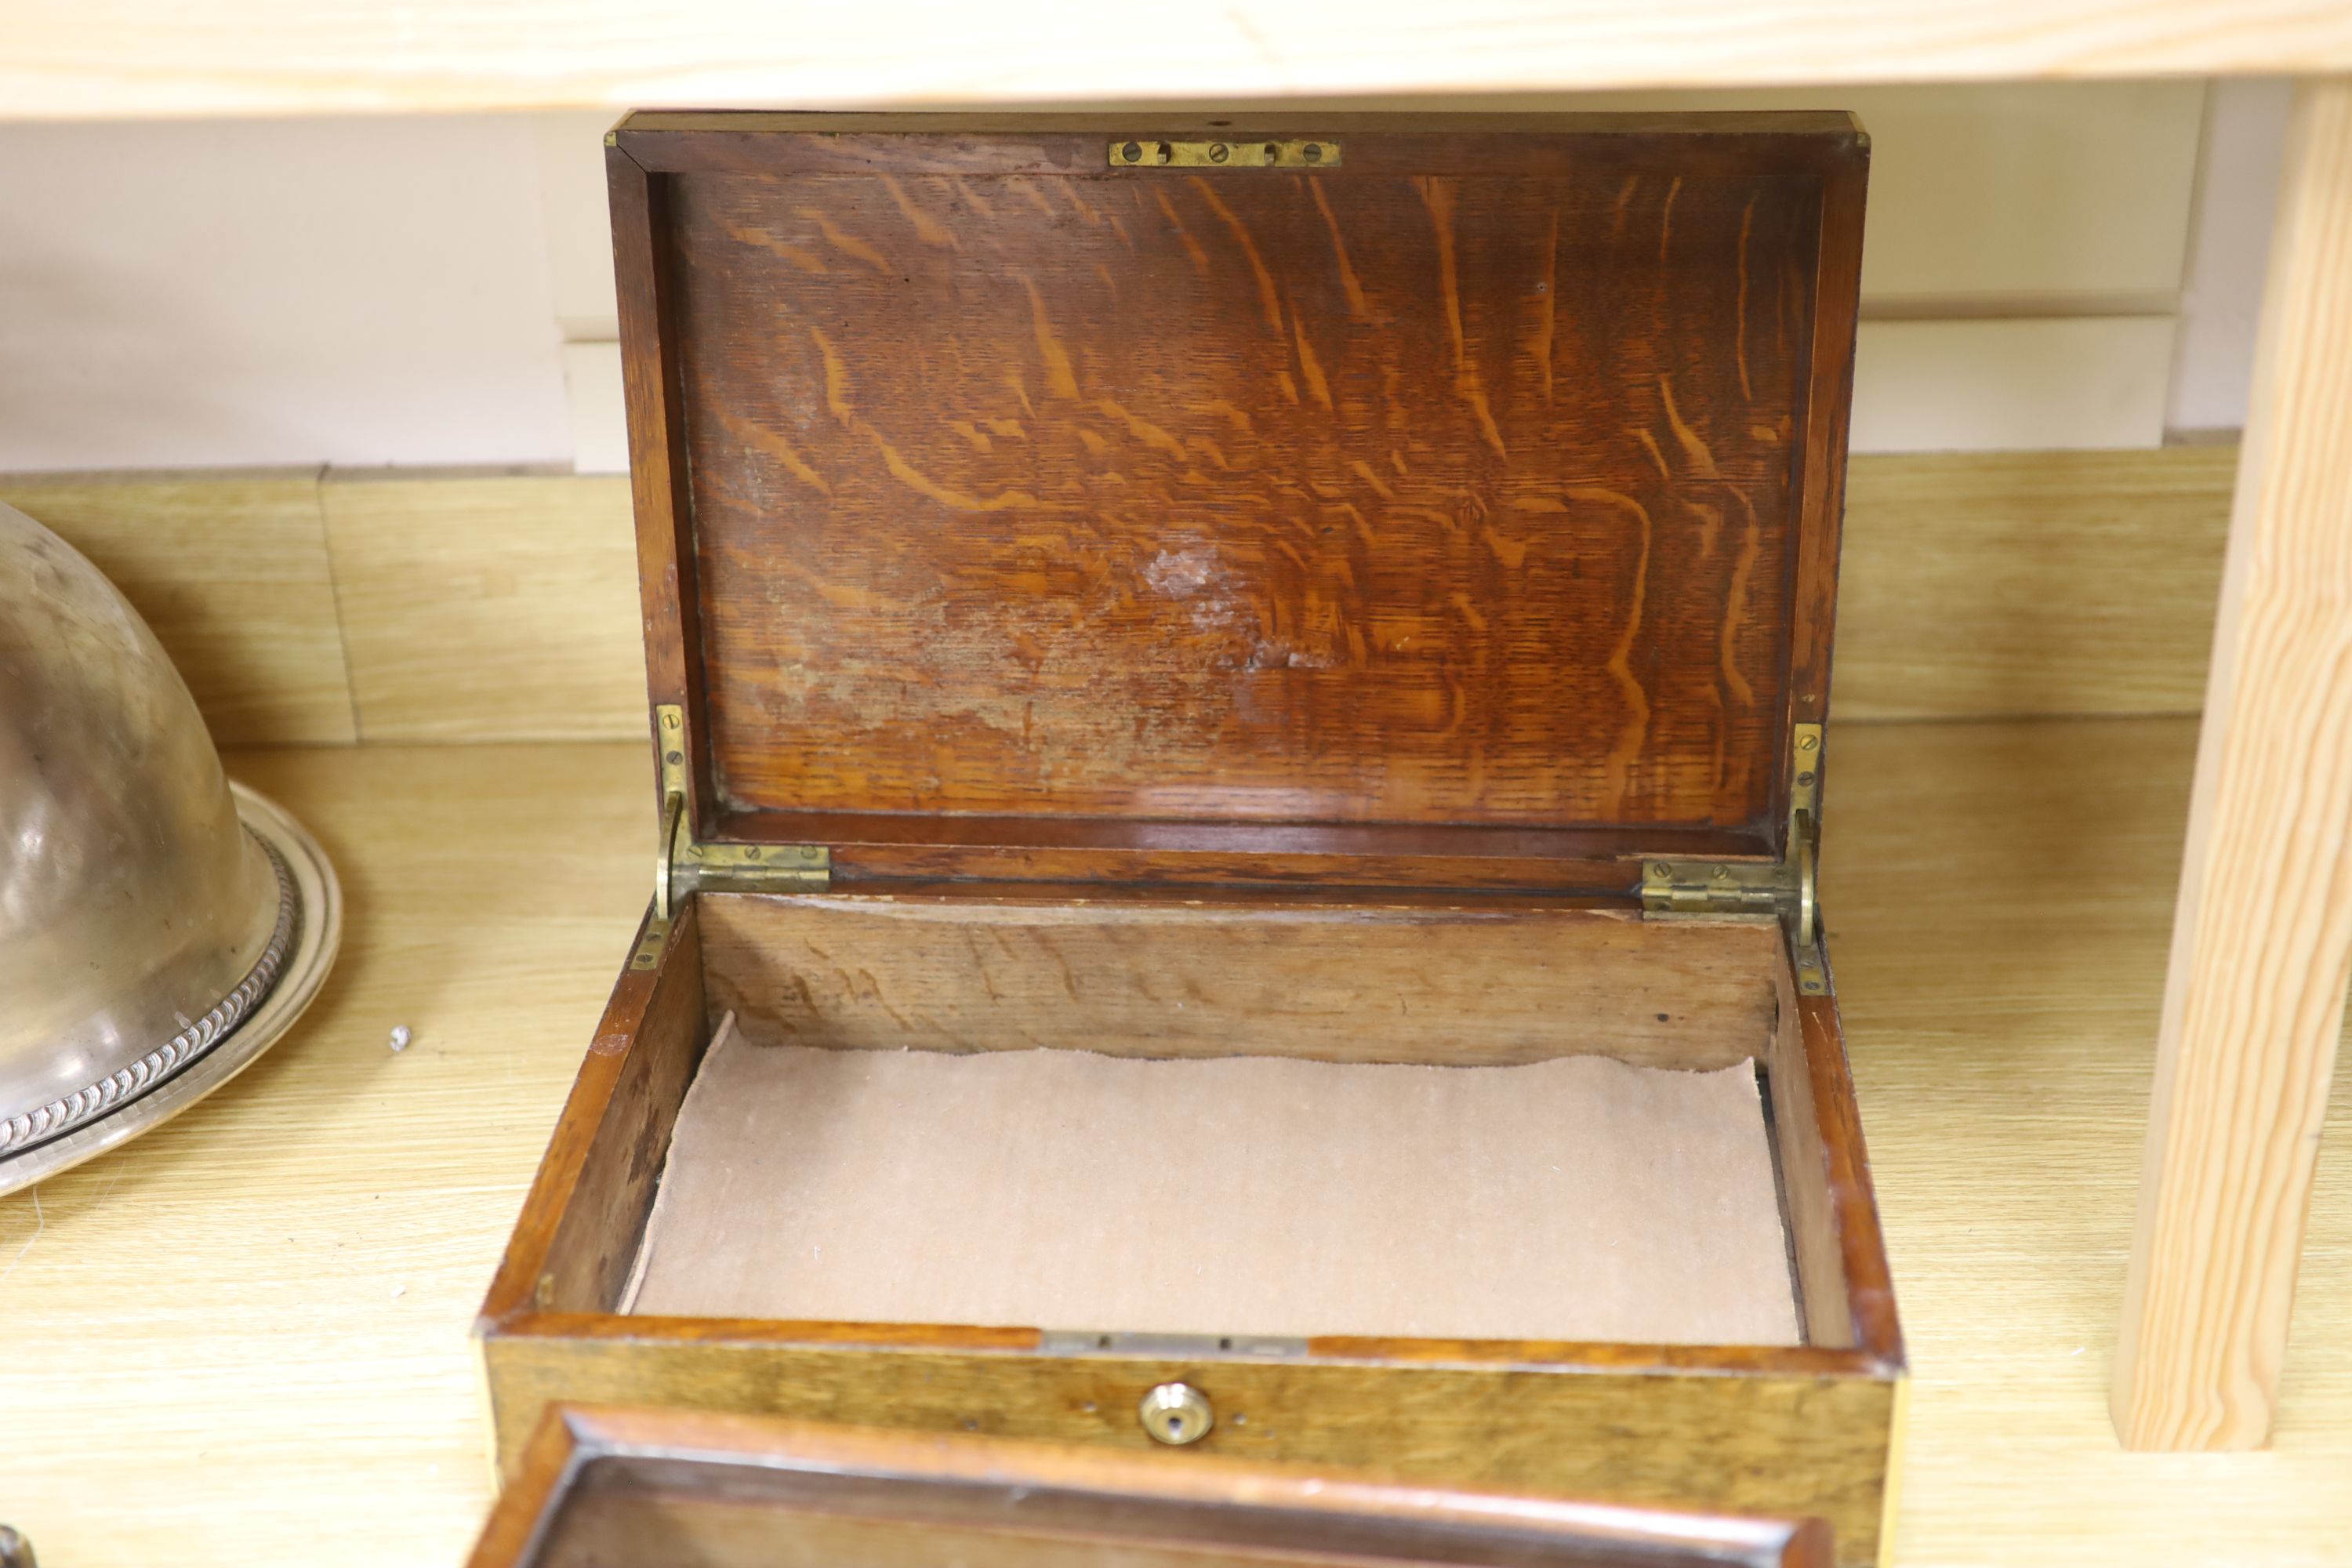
(141, 921)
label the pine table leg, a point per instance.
(2261, 944)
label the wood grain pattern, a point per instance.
(1809, 1200)
(732, 1491)
(1973, 584)
(1421, 491)
(542, 1479)
(2261, 946)
(881, 846)
(1980, 584)
(497, 604)
(2001, 1008)
(1789, 1446)
(1246, 855)
(667, 570)
(282, 1280)
(232, 574)
(136, 57)
(1331, 982)
(1869, 1285)
(1819, 449)
(577, 1235)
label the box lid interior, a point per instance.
(1474, 491)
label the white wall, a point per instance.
(440, 291)
(2237, 191)
(224, 293)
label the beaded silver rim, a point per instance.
(61, 1116)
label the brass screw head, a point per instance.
(1218, 153)
(1132, 152)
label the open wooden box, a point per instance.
(1238, 713)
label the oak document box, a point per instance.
(1238, 715)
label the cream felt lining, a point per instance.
(1576, 1198)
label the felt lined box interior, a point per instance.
(1265, 1119)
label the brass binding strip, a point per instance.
(1181, 1347)
(1151, 152)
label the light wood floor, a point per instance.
(243, 1340)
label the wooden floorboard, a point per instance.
(243, 1340)
(1999, 902)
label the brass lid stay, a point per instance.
(683, 863)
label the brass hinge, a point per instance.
(1782, 889)
(748, 867)
(682, 863)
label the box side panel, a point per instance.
(1466, 985)
(1862, 1248)
(1809, 1201)
(1821, 454)
(1774, 1444)
(575, 1241)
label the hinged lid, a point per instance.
(1420, 500)
(649, 1487)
